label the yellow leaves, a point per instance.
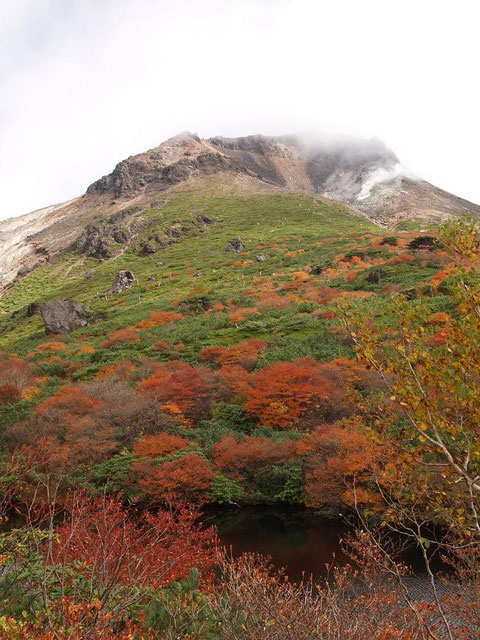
(85, 349)
(29, 392)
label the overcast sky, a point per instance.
(86, 83)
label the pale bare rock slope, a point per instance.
(363, 174)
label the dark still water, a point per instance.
(296, 539)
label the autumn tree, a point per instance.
(15, 371)
(243, 354)
(187, 478)
(426, 424)
(338, 456)
(282, 392)
(241, 458)
(190, 388)
(92, 563)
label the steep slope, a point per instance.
(365, 175)
(236, 290)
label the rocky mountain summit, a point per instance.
(364, 175)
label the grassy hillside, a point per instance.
(301, 257)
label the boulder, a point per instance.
(261, 257)
(123, 280)
(203, 219)
(375, 276)
(63, 316)
(147, 249)
(236, 246)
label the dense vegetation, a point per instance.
(300, 369)
(218, 376)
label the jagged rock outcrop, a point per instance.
(123, 280)
(111, 237)
(64, 316)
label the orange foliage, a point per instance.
(439, 318)
(9, 393)
(159, 317)
(402, 258)
(86, 349)
(327, 294)
(243, 353)
(106, 371)
(187, 478)
(242, 458)
(241, 314)
(158, 445)
(191, 388)
(15, 371)
(122, 336)
(351, 276)
(283, 391)
(271, 300)
(301, 275)
(29, 392)
(161, 345)
(440, 276)
(338, 454)
(233, 380)
(69, 400)
(51, 347)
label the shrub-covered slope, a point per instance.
(224, 372)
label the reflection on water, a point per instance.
(295, 539)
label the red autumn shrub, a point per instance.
(233, 381)
(191, 388)
(337, 456)
(158, 445)
(243, 353)
(188, 478)
(148, 550)
(9, 393)
(439, 318)
(159, 317)
(15, 371)
(122, 336)
(71, 400)
(51, 347)
(282, 392)
(241, 458)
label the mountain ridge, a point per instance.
(363, 175)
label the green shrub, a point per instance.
(224, 490)
(281, 483)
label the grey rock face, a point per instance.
(107, 239)
(64, 316)
(123, 280)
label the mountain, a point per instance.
(198, 293)
(362, 174)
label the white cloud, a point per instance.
(85, 84)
